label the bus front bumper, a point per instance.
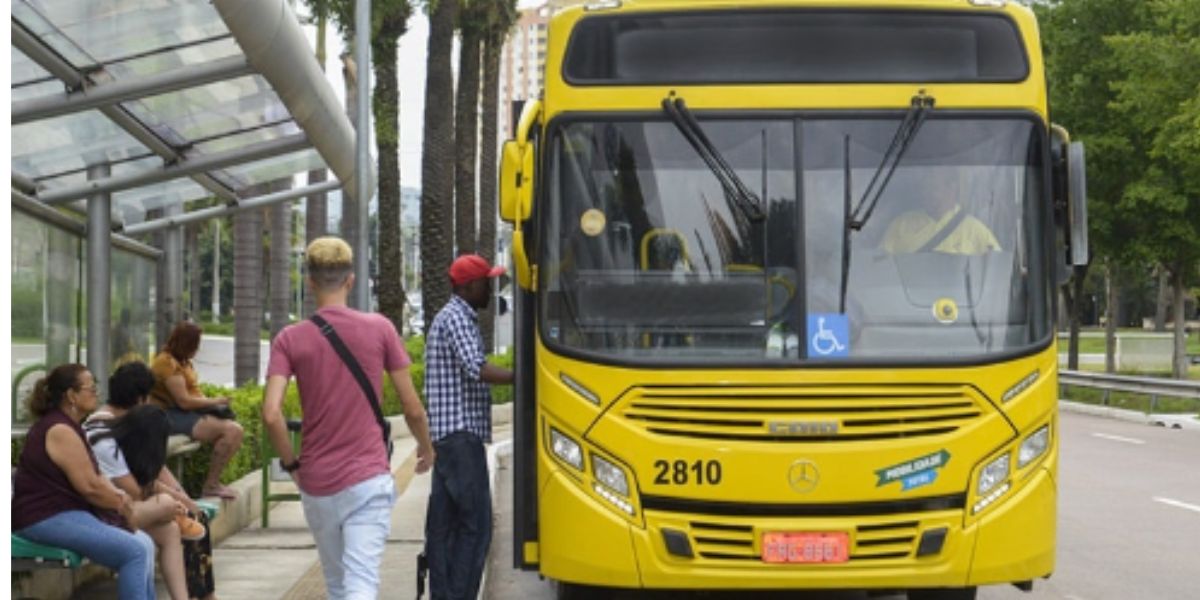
(583, 541)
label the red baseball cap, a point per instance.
(469, 267)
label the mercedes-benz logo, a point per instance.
(803, 476)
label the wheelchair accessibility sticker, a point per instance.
(828, 335)
(914, 473)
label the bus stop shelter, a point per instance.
(123, 113)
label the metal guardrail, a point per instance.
(1155, 386)
(1151, 386)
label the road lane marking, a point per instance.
(1177, 504)
(1117, 438)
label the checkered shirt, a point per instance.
(458, 398)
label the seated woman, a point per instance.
(129, 439)
(61, 499)
(177, 391)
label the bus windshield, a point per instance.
(648, 258)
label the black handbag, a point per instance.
(356, 370)
(197, 562)
(221, 412)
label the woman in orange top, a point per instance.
(191, 413)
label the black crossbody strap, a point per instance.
(944, 232)
(355, 369)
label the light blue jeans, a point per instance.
(131, 555)
(351, 528)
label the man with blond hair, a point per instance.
(338, 358)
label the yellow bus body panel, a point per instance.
(585, 538)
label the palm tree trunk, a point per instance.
(316, 224)
(437, 156)
(196, 276)
(390, 285)
(466, 120)
(316, 207)
(1163, 300)
(1180, 360)
(279, 271)
(1111, 312)
(247, 294)
(492, 46)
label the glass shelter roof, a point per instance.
(67, 50)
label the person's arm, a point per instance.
(177, 387)
(471, 359)
(68, 453)
(414, 416)
(166, 483)
(273, 421)
(493, 374)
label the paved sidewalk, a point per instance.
(280, 563)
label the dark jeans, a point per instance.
(458, 526)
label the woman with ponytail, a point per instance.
(59, 496)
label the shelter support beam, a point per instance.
(271, 38)
(48, 59)
(99, 281)
(220, 211)
(37, 210)
(123, 90)
(201, 164)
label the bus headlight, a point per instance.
(1033, 446)
(610, 475)
(992, 475)
(566, 448)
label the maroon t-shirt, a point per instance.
(342, 443)
(41, 489)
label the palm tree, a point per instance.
(390, 19)
(437, 175)
(502, 14)
(316, 213)
(472, 19)
(279, 260)
(247, 291)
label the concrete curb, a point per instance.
(493, 461)
(1173, 421)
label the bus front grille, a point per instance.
(804, 414)
(876, 541)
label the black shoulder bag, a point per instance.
(356, 370)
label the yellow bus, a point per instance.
(786, 291)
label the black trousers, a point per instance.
(458, 524)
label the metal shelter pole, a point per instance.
(171, 302)
(216, 288)
(99, 281)
(361, 296)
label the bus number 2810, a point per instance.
(681, 472)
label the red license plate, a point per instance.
(806, 547)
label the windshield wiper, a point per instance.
(913, 119)
(746, 201)
(851, 222)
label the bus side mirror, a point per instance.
(1077, 204)
(516, 181)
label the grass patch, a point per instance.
(1132, 401)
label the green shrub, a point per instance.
(247, 401)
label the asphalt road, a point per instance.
(1129, 524)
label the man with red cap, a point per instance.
(458, 524)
